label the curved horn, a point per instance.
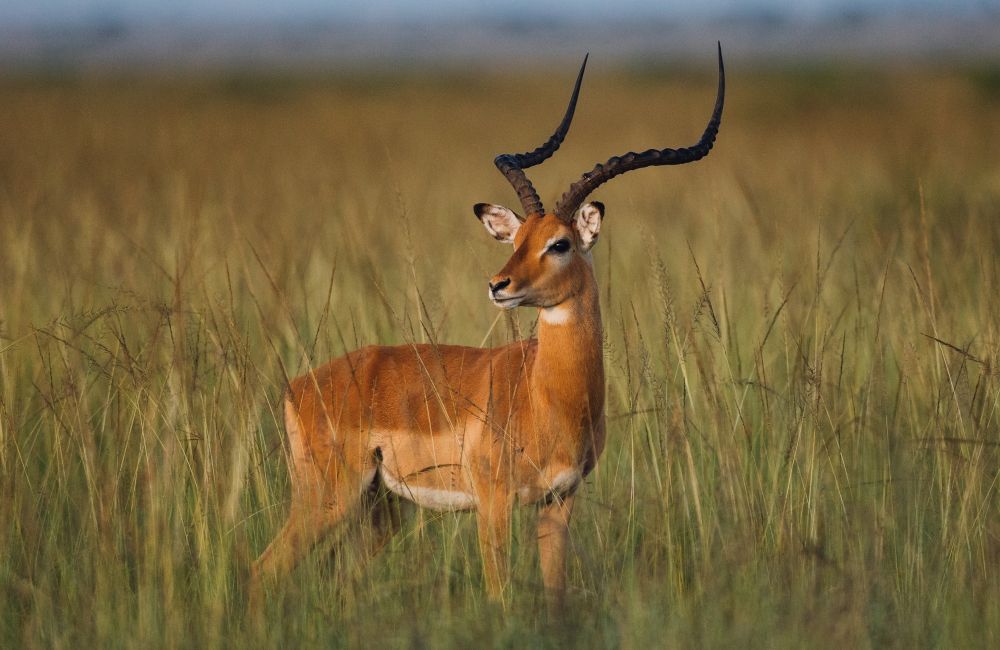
(617, 165)
(512, 165)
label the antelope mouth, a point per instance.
(507, 302)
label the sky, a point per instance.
(40, 12)
(98, 34)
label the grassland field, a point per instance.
(802, 340)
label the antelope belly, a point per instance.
(432, 498)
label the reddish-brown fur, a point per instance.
(457, 427)
(498, 426)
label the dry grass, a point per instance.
(801, 338)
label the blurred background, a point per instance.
(802, 332)
(189, 33)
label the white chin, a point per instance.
(506, 304)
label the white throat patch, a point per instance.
(557, 315)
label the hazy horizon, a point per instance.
(143, 34)
(36, 13)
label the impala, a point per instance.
(460, 428)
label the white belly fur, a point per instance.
(431, 498)
(437, 499)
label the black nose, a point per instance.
(499, 285)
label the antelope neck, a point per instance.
(570, 343)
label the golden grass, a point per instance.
(801, 341)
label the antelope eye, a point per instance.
(560, 246)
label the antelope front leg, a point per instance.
(553, 535)
(493, 521)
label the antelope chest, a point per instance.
(552, 461)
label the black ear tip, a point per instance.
(479, 209)
(599, 206)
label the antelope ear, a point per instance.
(588, 223)
(500, 222)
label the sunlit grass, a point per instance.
(801, 345)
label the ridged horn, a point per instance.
(618, 165)
(512, 165)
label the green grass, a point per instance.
(801, 344)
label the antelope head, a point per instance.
(551, 256)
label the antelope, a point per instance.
(450, 427)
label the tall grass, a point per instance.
(801, 343)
